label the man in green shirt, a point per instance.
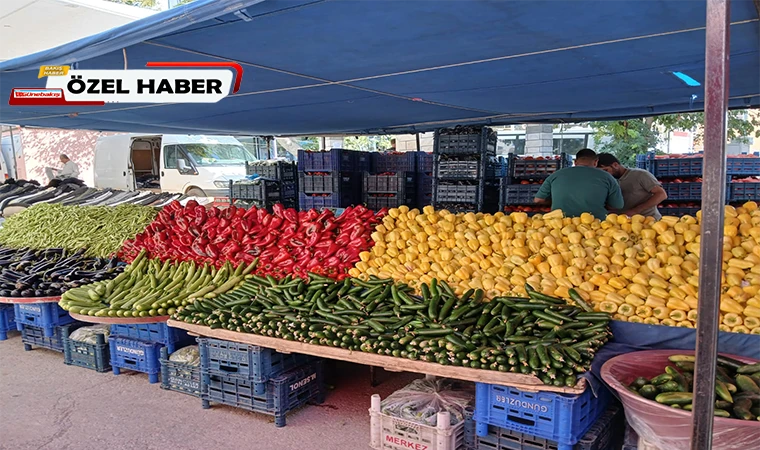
(581, 189)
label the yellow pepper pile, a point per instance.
(636, 268)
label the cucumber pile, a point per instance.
(149, 287)
(737, 394)
(539, 335)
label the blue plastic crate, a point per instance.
(425, 162)
(180, 377)
(42, 315)
(246, 362)
(601, 436)
(393, 162)
(7, 321)
(321, 201)
(563, 418)
(172, 338)
(744, 192)
(684, 191)
(335, 160)
(743, 166)
(133, 354)
(281, 395)
(82, 354)
(35, 336)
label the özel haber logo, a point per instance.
(176, 82)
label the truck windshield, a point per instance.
(217, 154)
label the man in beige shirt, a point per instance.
(641, 190)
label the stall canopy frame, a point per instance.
(317, 67)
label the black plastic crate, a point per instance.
(180, 377)
(282, 393)
(333, 183)
(532, 168)
(400, 183)
(276, 170)
(424, 183)
(335, 160)
(743, 192)
(378, 202)
(260, 190)
(518, 194)
(458, 193)
(393, 162)
(96, 356)
(678, 212)
(454, 169)
(35, 336)
(465, 141)
(462, 197)
(425, 162)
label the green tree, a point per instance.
(625, 139)
(367, 143)
(628, 138)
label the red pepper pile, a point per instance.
(286, 241)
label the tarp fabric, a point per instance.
(370, 66)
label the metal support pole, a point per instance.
(713, 202)
(418, 141)
(15, 162)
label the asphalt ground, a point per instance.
(47, 405)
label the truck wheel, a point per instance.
(195, 192)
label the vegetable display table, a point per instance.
(520, 381)
(119, 320)
(18, 300)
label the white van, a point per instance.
(199, 166)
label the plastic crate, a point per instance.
(743, 166)
(320, 201)
(678, 212)
(563, 418)
(601, 436)
(400, 183)
(133, 354)
(469, 170)
(393, 433)
(743, 192)
(683, 191)
(465, 141)
(90, 356)
(347, 184)
(180, 377)
(260, 189)
(376, 203)
(519, 194)
(686, 167)
(335, 160)
(456, 193)
(161, 333)
(425, 162)
(246, 362)
(522, 168)
(7, 321)
(35, 336)
(279, 170)
(393, 162)
(42, 315)
(281, 395)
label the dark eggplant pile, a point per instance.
(51, 272)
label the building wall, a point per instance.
(42, 147)
(408, 142)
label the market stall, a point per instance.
(539, 267)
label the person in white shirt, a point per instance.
(70, 170)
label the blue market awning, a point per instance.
(353, 67)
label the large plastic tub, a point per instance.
(662, 426)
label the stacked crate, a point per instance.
(424, 179)
(681, 178)
(279, 184)
(258, 379)
(508, 418)
(391, 180)
(524, 178)
(138, 347)
(466, 171)
(43, 325)
(7, 321)
(330, 179)
(83, 354)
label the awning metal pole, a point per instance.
(713, 202)
(418, 142)
(15, 162)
